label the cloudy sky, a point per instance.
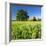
(32, 10)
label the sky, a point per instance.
(32, 10)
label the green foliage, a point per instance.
(39, 19)
(34, 19)
(26, 30)
(22, 15)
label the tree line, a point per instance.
(22, 15)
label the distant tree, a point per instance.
(39, 19)
(34, 19)
(22, 15)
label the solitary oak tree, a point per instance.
(22, 15)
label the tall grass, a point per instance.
(26, 29)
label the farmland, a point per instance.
(26, 29)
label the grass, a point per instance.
(26, 29)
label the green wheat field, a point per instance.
(26, 30)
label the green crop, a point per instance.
(26, 29)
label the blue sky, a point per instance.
(32, 10)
